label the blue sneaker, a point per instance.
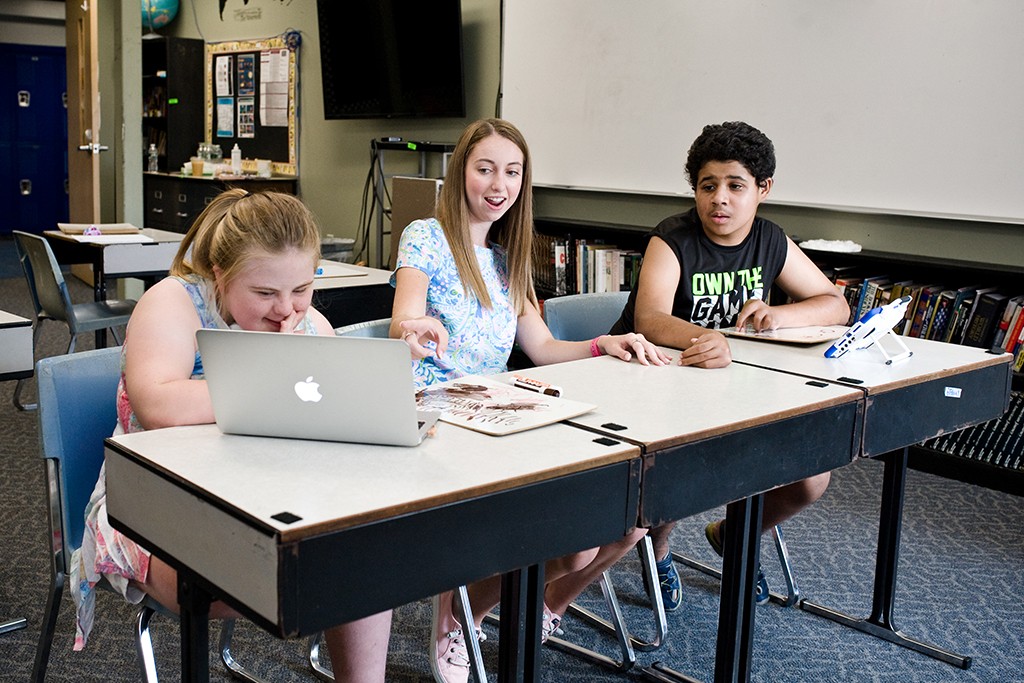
(761, 594)
(671, 586)
(713, 532)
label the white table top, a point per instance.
(930, 360)
(335, 485)
(336, 274)
(11, 320)
(155, 234)
(671, 405)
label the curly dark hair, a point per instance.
(732, 141)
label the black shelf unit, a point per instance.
(172, 99)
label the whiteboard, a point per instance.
(891, 106)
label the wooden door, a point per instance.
(84, 142)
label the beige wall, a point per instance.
(334, 155)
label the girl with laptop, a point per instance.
(247, 262)
(463, 296)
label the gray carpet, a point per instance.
(960, 583)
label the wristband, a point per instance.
(594, 351)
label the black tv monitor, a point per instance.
(391, 58)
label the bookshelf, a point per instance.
(991, 454)
(172, 99)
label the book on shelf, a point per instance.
(987, 313)
(922, 314)
(1004, 332)
(940, 317)
(868, 291)
(958, 323)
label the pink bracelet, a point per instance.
(594, 351)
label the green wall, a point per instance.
(334, 155)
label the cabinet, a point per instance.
(172, 201)
(172, 99)
(995, 461)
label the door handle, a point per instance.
(93, 148)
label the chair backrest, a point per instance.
(77, 410)
(578, 317)
(370, 328)
(46, 283)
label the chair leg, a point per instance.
(13, 625)
(645, 549)
(48, 627)
(227, 630)
(17, 397)
(616, 626)
(144, 644)
(465, 613)
(21, 382)
(792, 593)
(319, 670)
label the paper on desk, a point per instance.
(104, 228)
(495, 408)
(815, 334)
(336, 269)
(113, 239)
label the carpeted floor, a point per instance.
(960, 581)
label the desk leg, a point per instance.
(13, 625)
(742, 546)
(522, 607)
(194, 602)
(880, 624)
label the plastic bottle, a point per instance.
(236, 160)
(153, 165)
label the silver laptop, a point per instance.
(353, 389)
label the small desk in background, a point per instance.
(15, 363)
(113, 258)
(941, 388)
(348, 294)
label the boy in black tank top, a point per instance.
(713, 267)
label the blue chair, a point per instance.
(52, 301)
(579, 317)
(370, 328)
(76, 413)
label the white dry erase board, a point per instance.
(889, 106)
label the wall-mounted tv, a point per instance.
(391, 58)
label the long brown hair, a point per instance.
(513, 231)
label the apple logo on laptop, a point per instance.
(308, 390)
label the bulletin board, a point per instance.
(250, 100)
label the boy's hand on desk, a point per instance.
(709, 350)
(417, 332)
(757, 314)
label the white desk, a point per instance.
(347, 293)
(940, 388)
(302, 535)
(16, 342)
(112, 260)
(711, 437)
(15, 363)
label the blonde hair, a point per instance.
(237, 225)
(513, 231)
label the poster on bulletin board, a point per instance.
(250, 100)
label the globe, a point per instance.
(158, 13)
